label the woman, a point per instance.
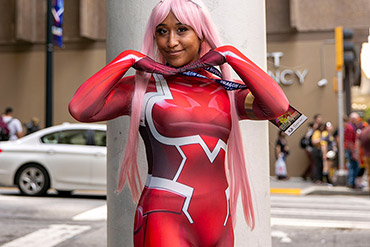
(187, 121)
(329, 150)
(282, 151)
(317, 153)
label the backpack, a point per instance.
(306, 141)
(4, 130)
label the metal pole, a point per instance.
(49, 67)
(347, 90)
(341, 172)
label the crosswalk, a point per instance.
(321, 211)
(54, 234)
(48, 237)
(340, 212)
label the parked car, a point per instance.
(65, 157)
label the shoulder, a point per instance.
(16, 123)
(316, 134)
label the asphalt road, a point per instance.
(80, 220)
(77, 220)
(322, 220)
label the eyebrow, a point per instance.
(163, 25)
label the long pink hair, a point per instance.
(196, 15)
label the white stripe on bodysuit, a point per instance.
(150, 99)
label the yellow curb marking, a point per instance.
(288, 191)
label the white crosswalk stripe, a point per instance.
(99, 213)
(48, 237)
(319, 211)
(57, 233)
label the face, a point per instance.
(177, 42)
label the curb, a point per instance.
(320, 190)
(286, 191)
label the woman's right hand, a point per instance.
(148, 65)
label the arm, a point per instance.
(105, 95)
(19, 129)
(264, 99)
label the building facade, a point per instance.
(300, 46)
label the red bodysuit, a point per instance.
(185, 126)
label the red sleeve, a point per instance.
(106, 95)
(264, 98)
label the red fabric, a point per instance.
(349, 136)
(187, 126)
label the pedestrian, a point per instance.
(32, 126)
(14, 125)
(329, 150)
(317, 119)
(351, 152)
(364, 144)
(281, 153)
(182, 116)
(317, 154)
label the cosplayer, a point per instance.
(188, 121)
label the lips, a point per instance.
(174, 53)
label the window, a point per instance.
(100, 138)
(72, 137)
(51, 138)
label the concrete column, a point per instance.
(126, 21)
(241, 23)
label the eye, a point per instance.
(161, 31)
(182, 29)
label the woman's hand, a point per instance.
(211, 58)
(150, 66)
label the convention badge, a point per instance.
(289, 121)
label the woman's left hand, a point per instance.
(211, 58)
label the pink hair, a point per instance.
(198, 17)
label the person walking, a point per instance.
(14, 125)
(32, 126)
(351, 151)
(364, 143)
(329, 150)
(317, 119)
(317, 154)
(281, 152)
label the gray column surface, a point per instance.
(242, 24)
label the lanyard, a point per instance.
(228, 85)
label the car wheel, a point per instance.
(33, 180)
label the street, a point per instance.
(76, 220)
(79, 220)
(320, 220)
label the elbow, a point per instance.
(81, 113)
(73, 110)
(76, 112)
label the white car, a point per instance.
(65, 157)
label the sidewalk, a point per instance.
(297, 186)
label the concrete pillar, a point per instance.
(241, 23)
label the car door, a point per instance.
(69, 158)
(99, 163)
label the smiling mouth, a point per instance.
(174, 53)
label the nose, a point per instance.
(172, 40)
